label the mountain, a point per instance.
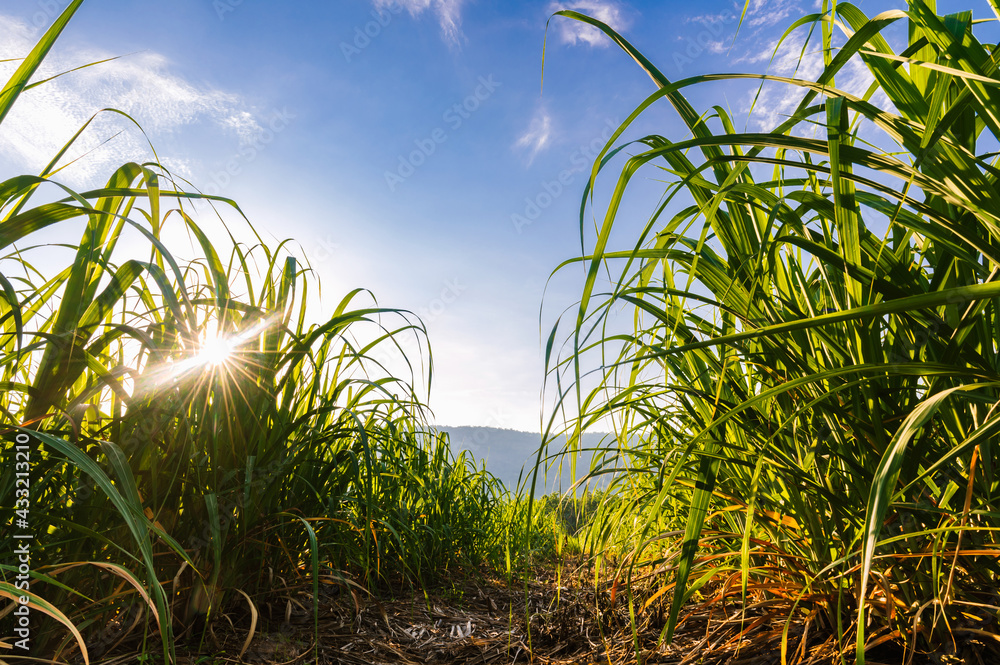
(510, 455)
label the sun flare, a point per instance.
(215, 351)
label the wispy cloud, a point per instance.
(763, 13)
(776, 101)
(141, 85)
(448, 12)
(756, 26)
(573, 32)
(537, 136)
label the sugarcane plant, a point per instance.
(804, 384)
(196, 435)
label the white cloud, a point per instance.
(777, 101)
(754, 26)
(762, 13)
(536, 137)
(571, 31)
(45, 118)
(717, 47)
(722, 17)
(449, 15)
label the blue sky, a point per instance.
(408, 147)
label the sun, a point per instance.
(215, 351)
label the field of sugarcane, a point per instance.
(187, 438)
(804, 390)
(797, 356)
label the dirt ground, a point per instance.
(477, 618)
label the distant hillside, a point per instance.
(508, 452)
